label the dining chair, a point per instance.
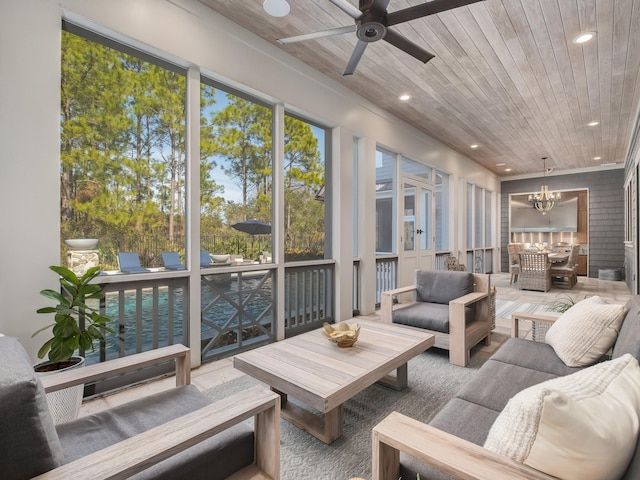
(568, 270)
(535, 272)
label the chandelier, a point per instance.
(544, 200)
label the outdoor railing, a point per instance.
(386, 275)
(356, 287)
(145, 315)
(309, 295)
(237, 309)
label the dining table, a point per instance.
(558, 257)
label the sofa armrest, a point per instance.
(386, 301)
(445, 452)
(137, 453)
(530, 317)
(111, 368)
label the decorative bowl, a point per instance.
(341, 334)
(81, 243)
(220, 258)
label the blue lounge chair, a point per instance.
(205, 258)
(129, 262)
(171, 261)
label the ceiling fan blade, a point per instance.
(355, 58)
(408, 46)
(315, 35)
(347, 8)
(429, 8)
(378, 6)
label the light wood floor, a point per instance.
(221, 371)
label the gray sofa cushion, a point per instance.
(28, 443)
(629, 337)
(533, 355)
(496, 382)
(214, 458)
(437, 286)
(460, 418)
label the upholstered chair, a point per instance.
(454, 306)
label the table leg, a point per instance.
(327, 427)
(399, 382)
(283, 397)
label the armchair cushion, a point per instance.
(436, 286)
(430, 316)
(580, 426)
(95, 432)
(29, 443)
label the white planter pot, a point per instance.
(64, 404)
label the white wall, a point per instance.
(184, 30)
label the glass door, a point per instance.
(417, 229)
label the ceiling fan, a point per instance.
(372, 22)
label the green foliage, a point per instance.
(68, 336)
(561, 305)
(123, 155)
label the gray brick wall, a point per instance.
(606, 214)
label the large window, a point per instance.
(385, 201)
(122, 149)
(236, 176)
(304, 190)
(479, 217)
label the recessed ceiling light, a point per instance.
(475, 145)
(597, 158)
(507, 169)
(584, 37)
(404, 97)
(500, 164)
(593, 124)
(276, 8)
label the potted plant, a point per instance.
(76, 326)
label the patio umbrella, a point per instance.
(252, 227)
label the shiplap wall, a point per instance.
(606, 213)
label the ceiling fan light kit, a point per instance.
(372, 22)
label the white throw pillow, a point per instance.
(585, 332)
(582, 426)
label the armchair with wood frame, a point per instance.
(175, 433)
(454, 306)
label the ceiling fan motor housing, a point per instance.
(370, 28)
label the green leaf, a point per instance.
(66, 274)
(42, 329)
(59, 351)
(55, 296)
(45, 348)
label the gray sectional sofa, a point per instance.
(517, 365)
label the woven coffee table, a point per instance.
(323, 376)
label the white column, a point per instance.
(277, 229)
(367, 222)
(342, 222)
(192, 211)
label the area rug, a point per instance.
(432, 382)
(504, 308)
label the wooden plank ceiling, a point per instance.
(506, 76)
